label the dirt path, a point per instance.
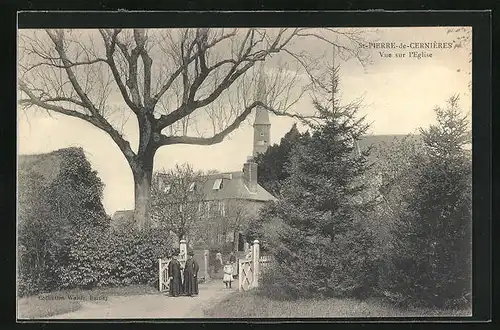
(151, 306)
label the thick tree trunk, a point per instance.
(143, 173)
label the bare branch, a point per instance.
(95, 119)
(219, 137)
(58, 40)
(110, 41)
(187, 62)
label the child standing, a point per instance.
(228, 274)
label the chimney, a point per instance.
(250, 175)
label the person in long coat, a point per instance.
(191, 276)
(174, 274)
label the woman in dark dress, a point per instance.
(191, 275)
(174, 274)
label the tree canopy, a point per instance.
(435, 234)
(170, 80)
(272, 165)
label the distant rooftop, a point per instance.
(231, 185)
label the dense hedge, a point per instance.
(93, 258)
(58, 195)
(112, 258)
(64, 234)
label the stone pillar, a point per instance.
(183, 250)
(207, 273)
(255, 260)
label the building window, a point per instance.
(208, 209)
(261, 133)
(217, 184)
(192, 186)
(222, 210)
(167, 189)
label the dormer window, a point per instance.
(192, 186)
(217, 184)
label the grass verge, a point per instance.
(249, 305)
(66, 301)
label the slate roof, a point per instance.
(233, 187)
(381, 140)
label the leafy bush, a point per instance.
(58, 193)
(113, 258)
(274, 283)
(65, 240)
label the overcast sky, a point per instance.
(399, 96)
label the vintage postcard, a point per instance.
(179, 173)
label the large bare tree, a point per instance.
(169, 80)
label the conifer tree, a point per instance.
(323, 247)
(432, 250)
(272, 165)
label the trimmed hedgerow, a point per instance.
(113, 258)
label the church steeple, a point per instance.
(261, 125)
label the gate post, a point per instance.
(206, 256)
(240, 273)
(255, 259)
(182, 250)
(160, 282)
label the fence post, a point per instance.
(255, 257)
(159, 275)
(240, 273)
(206, 256)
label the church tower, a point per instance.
(261, 125)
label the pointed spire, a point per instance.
(261, 114)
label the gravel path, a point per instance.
(151, 306)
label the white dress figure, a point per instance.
(228, 274)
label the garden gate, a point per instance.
(250, 268)
(163, 280)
